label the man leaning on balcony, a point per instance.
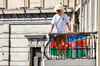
(61, 21)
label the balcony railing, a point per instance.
(78, 46)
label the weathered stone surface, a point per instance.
(1, 45)
(20, 49)
(5, 28)
(4, 63)
(17, 36)
(35, 3)
(15, 4)
(19, 43)
(1, 63)
(1, 31)
(1, 49)
(5, 56)
(0, 56)
(19, 56)
(4, 42)
(52, 2)
(5, 49)
(1, 3)
(70, 62)
(19, 63)
(31, 29)
(4, 36)
(70, 4)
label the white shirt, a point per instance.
(60, 22)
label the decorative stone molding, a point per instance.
(35, 40)
(85, 2)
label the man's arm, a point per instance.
(68, 26)
(51, 28)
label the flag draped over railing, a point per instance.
(78, 51)
(78, 45)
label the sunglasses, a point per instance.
(58, 10)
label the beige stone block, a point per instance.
(4, 36)
(5, 49)
(19, 57)
(30, 29)
(20, 49)
(34, 3)
(1, 27)
(5, 28)
(65, 2)
(1, 63)
(4, 42)
(70, 4)
(19, 43)
(1, 3)
(0, 56)
(19, 63)
(15, 4)
(4, 63)
(1, 49)
(70, 0)
(1, 36)
(52, 2)
(1, 43)
(18, 36)
(5, 56)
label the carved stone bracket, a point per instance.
(85, 2)
(35, 40)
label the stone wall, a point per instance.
(13, 39)
(13, 4)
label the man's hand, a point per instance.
(51, 29)
(70, 32)
(49, 33)
(68, 28)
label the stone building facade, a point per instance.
(25, 23)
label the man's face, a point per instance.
(59, 12)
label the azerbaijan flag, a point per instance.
(76, 52)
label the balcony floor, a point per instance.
(70, 62)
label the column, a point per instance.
(90, 16)
(73, 20)
(67, 3)
(86, 17)
(42, 3)
(80, 16)
(26, 3)
(99, 33)
(5, 2)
